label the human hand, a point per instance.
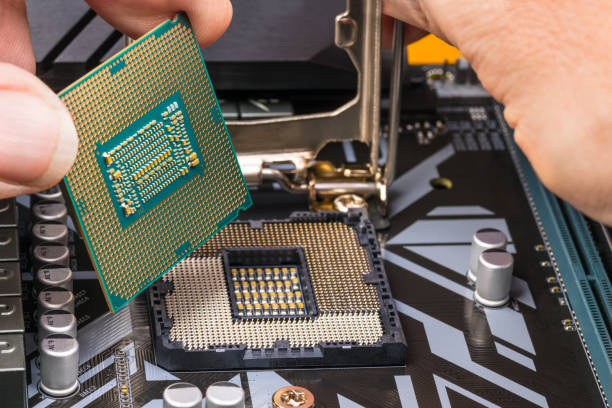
(38, 142)
(549, 64)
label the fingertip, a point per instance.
(65, 151)
(210, 19)
(38, 142)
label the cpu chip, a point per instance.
(156, 174)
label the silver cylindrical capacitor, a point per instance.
(224, 394)
(494, 278)
(483, 239)
(51, 194)
(49, 232)
(182, 395)
(59, 365)
(57, 322)
(55, 299)
(50, 253)
(54, 276)
(49, 211)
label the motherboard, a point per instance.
(451, 352)
(474, 286)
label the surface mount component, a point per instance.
(224, 394)
(51, 194)
(182, 395)
(55, 298)
(54, 276)
(306, 291)
(57, 322)
(50, 253)
(50, 232)
(494, 277)
(156, 174)
(483, 239)
(49, 211)
(256, 277)
(59, 365)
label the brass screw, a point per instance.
(292, 397)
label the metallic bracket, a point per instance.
(263, 144)
(358, 32)
(395, 100)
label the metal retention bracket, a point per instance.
(358, 32)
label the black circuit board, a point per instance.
(458, 354)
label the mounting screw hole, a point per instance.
(441, 183)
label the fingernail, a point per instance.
(38, 142)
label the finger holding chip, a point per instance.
(209, 18)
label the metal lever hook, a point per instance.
(395, 100)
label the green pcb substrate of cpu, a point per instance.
(156, 174)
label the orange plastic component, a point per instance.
(431, 50)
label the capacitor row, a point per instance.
(271, 297)
(266, 273)
(57, 323)
(267, 287)
(274, 309)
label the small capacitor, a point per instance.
(483, 239)
(182, 395)
(51, 194)
(57, 322)
(49, 211)
(494, 278)
(51, 253)
(224, 394)
(55, 299)
(54, 276)
(49, 232)
(59, 365)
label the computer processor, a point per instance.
(156, 174)
(307, 291)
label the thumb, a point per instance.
(38, 142)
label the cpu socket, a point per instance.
(307, 291)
